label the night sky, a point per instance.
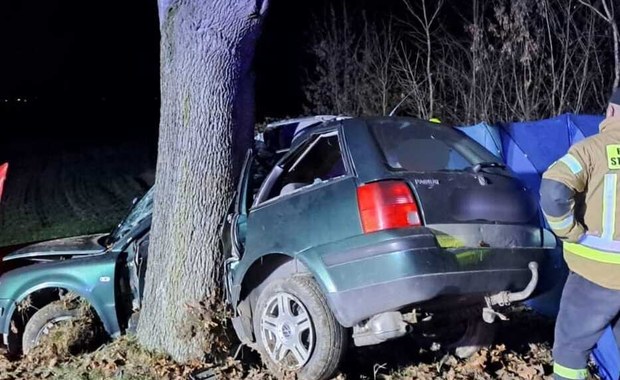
(89, 67)
(77, 69)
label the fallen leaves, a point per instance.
(522, 351)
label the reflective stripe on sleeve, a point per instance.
(609, 206)
(572, 163)
(569, 373)
(561, 224)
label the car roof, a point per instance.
(281, 135)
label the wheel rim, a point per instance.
(287, 331)
(45, 330)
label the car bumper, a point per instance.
(5, 305)
(410, 269)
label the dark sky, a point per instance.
(85, 66)
(93, 66)
(64, 48)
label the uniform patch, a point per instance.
(613, 156)
(572, 163)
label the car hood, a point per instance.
(73, 246)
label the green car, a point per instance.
(362, 230)
(106, 270)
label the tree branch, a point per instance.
(594, 10)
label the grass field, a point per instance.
(57, 189)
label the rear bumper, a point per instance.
(352, 306)
(410, 269)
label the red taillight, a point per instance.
(387, 204)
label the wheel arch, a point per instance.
(260, 272)
(266, 268)
(39, 296)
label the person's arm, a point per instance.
(563, 180)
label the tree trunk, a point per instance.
(207, 103)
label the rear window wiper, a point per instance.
(490, 164)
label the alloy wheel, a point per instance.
(287, 331)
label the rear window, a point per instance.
(416, 145)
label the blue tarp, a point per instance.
(528, 148)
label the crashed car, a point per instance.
(367, 229)
(105, 270)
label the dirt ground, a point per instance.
(78, 189)
(521, 351)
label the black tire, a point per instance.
(329, 340)
(52, 313)
(476, 336)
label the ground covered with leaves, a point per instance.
(521, 351)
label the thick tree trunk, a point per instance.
(206, 124)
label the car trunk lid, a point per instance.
(469, 197)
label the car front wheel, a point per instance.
(296, 331)
(44, 321)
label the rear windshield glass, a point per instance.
(416, 145)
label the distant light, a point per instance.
(19, 100)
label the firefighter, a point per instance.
(579, 198)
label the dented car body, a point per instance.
(106, 270)
(340, 228)
(386, 216)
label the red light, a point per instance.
(385, 205)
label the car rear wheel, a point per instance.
(475, 336)
(296, 331)
(44, 321)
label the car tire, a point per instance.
(477, 335)
(43, 320)
(305, 332)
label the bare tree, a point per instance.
(514, 60)
(353, 71)
(206, 120)
(426, 15)
(608, 14)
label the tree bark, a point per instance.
(207, 114)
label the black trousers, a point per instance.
(586, 310)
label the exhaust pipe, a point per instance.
(505, 298)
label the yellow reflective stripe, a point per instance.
(592, 254)
(562, 223)
(609, 206)
(572, 163)
(569, 373)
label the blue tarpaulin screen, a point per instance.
(528, 148)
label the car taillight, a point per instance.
(387, 204)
